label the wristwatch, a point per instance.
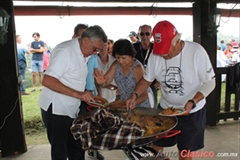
(135, 94)
(193, 102)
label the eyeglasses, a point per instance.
(95, 48)
(146, 33)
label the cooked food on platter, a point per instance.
(152, 124)
(116, 104)
(170, 111)
(100, 99)
(103, 103)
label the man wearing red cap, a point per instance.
(187, 77)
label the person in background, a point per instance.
(37, 48)
(65, 81)
(133, 37)
(105, 60)
(46, 57)
(126, 71)
(221, 58)
(22, 62)
(222, 45)
(78, 29)
(92, 66)
(228, 49)
(110, 46)
(221, 61)
(232, 55)
(144, 50)
(234, 43)
(185, 83)
(235, 48)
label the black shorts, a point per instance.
(192, 132)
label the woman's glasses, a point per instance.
(144, 33)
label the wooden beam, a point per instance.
(70, 10)
(227, 115)
(119, 1)
(138, 1)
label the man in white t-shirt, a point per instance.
(186, 76)
(64, 82)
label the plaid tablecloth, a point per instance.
(105, 131)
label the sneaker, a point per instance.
(33, 90)
(99, 156)
(40, 89)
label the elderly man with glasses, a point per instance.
(144, 49)
(64, 90)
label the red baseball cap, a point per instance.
(163, 33)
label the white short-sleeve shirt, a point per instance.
(182, 76)
(68, 65)
(106, 93)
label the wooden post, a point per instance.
(200, 20)
(12, 136)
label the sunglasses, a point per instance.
(146, 33)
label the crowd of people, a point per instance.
(228, 54)
(90, 64)
(39, 60)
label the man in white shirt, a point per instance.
(64, 90)
(186, 76)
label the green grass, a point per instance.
(31, 109)
(222, 104)
(34, 128)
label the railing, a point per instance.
(227, 104)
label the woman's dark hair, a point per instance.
(123, 47)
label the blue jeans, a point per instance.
(22, 71)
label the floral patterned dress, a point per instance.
(127, 83)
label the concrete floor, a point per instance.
(222, 140)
